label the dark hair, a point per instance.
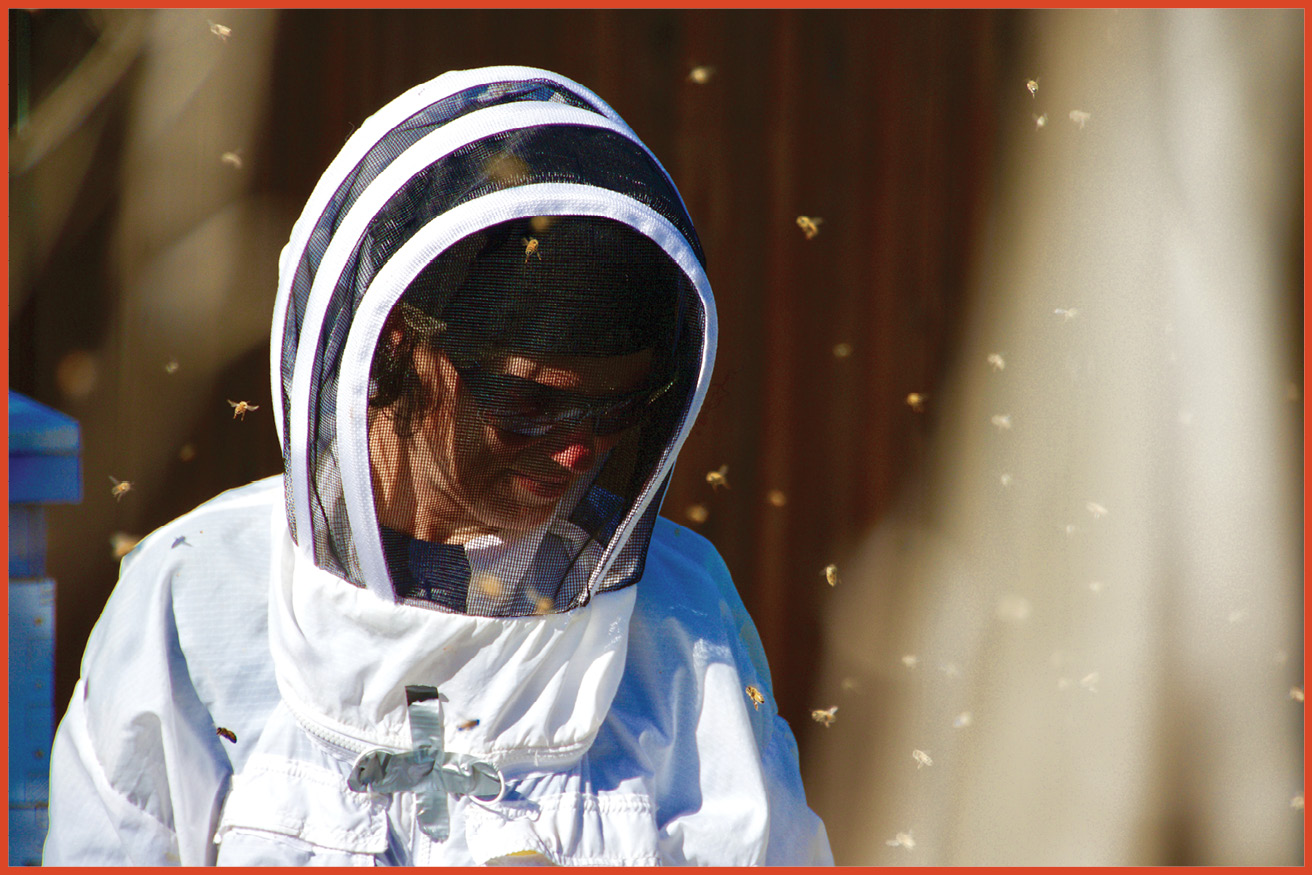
(543, 287)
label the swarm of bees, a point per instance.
(226, 733)
(718, 478)
(831, 574)
(120, 488)
(825, 716)
(921, 758)
(531, 248)
(810, 225)
(241, 408)
(755, 695)
(916, 402)
(701, 75)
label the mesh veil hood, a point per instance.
(473, 195)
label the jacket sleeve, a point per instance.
(728, 779)
(92, 823)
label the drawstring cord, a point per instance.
(428, 771)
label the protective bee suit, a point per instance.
(320, 669)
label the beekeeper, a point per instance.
(455, 632)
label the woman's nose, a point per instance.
(578, 449)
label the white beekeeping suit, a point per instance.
(1088, 617)
(456, 632)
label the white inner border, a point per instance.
(544, 199)
(421, 154)
(357, 146)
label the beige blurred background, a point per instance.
(1035, 387)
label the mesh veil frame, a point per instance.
(545, 199)
(346, 229)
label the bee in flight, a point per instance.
(825, 716)
(718, 478)
(120, 487)
(241, 408)
(226, 733)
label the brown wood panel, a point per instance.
(881, 122)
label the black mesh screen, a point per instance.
(379, 156)
(525, 389)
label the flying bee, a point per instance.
(120, 487)
(718, 478)
(842, 350)
(1033, 86)
(996, 361)
(1096, 509)
(825, 716)
(1066, 313)
(1001, 420)
(921, 758)
(241, 408)
(701, 75)
(226, 733)
(902, 839)
(777, 498)
(1296, 693)
(171, 366)
(122, 543)
(697, 513)
(831, 574)
(916, 402)
(542, 605)
(488, 584)
(1079, 117)
(964, 719)
(911, 660)
(232, 159)
(466, 724)
(1297, 802)
(755, 695)
(1040, 121)
(810, 225)
(531, 248)
(221, 31)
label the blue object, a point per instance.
(44, 468)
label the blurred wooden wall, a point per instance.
(879, 122)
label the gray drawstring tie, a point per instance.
(427, 770)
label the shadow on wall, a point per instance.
(1079, 640)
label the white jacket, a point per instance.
(648, 749)
(260, 690)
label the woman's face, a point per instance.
(459, 475)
